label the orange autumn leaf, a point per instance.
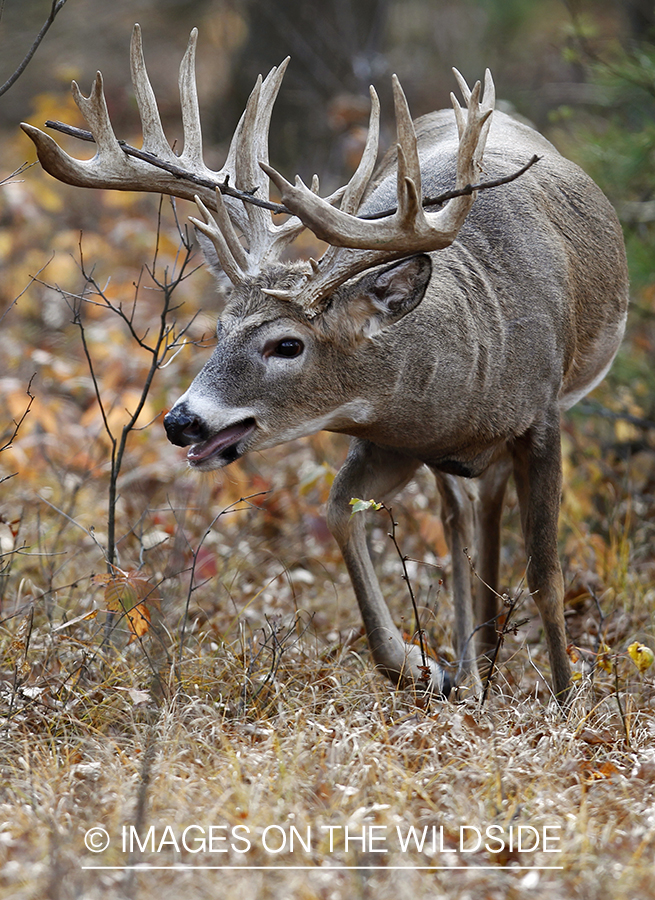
(591, 773)
(128, 593)
(604, 659)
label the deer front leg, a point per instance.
(371, 472)
(538, 476)
(459, 522)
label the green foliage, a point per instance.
(362, 505)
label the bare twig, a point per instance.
(223, 186)
(233, 507)
(248, 196)
(466, 191)
(507, 628)
(405, 577)
(617, 689)
(17, 424)
(19, 171)
(280, 642)
(57, 6)
(157, 348)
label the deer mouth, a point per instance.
(223, 448)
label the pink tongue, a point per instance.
(219, 442)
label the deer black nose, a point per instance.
(183, 428)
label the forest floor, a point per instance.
(234, 722)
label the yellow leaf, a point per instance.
(361, 505)
(642, 656)
(603, 658)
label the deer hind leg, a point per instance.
(538, 476)
(489, 507)
(458, 512)
(371, 472)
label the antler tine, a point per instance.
(240, 152)
(467, 168)
(270, 90)
(231, 255)
(192, 152)
(463, 86)
(94, 110)
(487, 104)
(489, 96)
(154, 140)
(355, 188)
(408, 180)
(247, 174)
(249, 147)
(252, 147)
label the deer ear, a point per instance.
(382, 298)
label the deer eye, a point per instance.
(288, 348)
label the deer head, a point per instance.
(285, 325)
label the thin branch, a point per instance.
(17, 424)
(233, 507)
(33, 279)
(224, 187)
(88, 531)
(466, 191)
(248, 197)
(617, 694)
(19, 171)
(57, 6)
(511, 605)
(406, 579)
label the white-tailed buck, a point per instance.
(450, 336)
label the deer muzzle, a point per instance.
(206, 450)
(183, 428)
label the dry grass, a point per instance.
(326, 744)
(274, 718)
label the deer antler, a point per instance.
(112, 168)
(357, 244)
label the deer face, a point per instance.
(276, 374)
